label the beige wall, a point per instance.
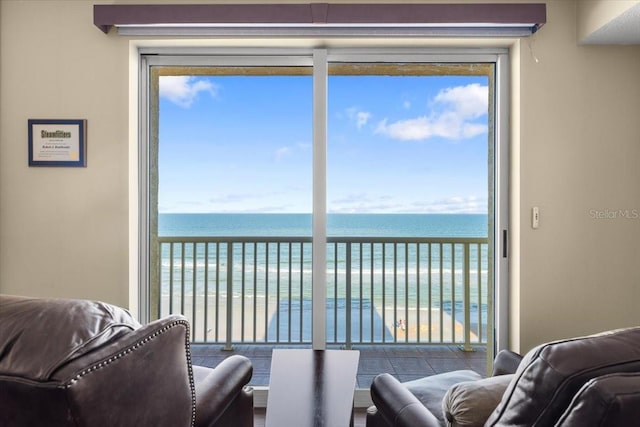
(64, 232)
(579, 151)
(594, 14)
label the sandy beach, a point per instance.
(210, 324)
(424, 325)
(260, 322)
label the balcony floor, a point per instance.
(403, 362)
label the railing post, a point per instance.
(348, 299)
(228, 345)
(467, 299)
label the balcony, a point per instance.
(250, 294)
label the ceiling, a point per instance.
(624, 30)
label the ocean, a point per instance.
(342, 225)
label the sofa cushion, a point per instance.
(431, 390)
(551, 374)
(469, 403)
(38, 336)
(610, 400)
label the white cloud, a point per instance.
(234, 197)
(282, 152)
(360, 118)
(295, 149)
(183, 90)
(407, 130)
(363, 203)
(454, 110)
(367, 203)
(255, 202)
(456, 205)
(469, 101)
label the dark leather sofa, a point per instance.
(83, 363)
(579, 382)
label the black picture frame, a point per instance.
(57, 142)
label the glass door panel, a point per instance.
(234, 190)
(408, 154)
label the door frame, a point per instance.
(142, 58)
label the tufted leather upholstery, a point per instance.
(84, 363)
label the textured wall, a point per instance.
(576, 155)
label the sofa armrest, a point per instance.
(398, 406)
(145, 374)
(217, 388)
(506, 362)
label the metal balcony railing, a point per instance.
(257, 290)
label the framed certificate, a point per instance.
(58, 143)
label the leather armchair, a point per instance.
(578, 382)
(84, 363)
(419, 403)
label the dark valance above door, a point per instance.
(326, 19)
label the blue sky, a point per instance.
(395, 144)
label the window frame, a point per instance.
(319, 59)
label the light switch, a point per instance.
(535, 217)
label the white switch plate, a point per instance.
(535, 217)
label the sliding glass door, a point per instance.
(326, 198)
